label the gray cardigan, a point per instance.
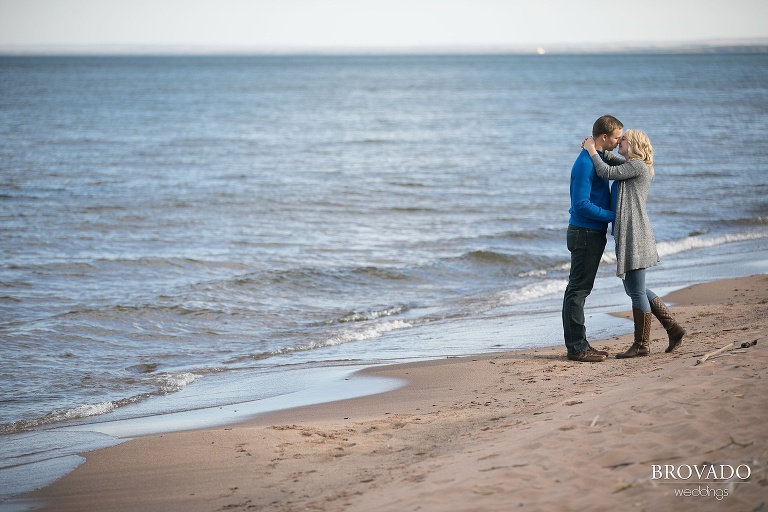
(632, 232)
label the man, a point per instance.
(590, 214)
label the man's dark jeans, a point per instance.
(586, 247)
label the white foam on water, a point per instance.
(700, 242)
(533, 291)
(172, 382)
(351, 335)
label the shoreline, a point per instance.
(471, 433)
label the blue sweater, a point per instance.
(591, 195)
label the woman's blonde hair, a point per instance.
(639, 147)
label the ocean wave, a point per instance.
(84, 411)
(751, 221)
(362, 316)
(371, 141)
(80, 411)
(164, 384)
(350, 335)
(315, 278)
(172, 382)
(280, 287)
(74, 264)
(540, 272)
(533, 291)
(691, 243)
(520, 264)
(489, 257)
(367, 333)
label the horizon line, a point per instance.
(753, 45)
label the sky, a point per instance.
(280, 25)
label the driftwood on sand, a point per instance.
(726, 348)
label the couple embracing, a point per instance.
(595, 204)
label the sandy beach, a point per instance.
(525, 430)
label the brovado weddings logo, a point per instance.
(697, 479)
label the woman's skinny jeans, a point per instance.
(634, 285)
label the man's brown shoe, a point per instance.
(599, 352)
(588, 356)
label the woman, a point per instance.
(635, 243)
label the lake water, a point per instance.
(182, 233)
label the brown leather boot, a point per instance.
(642, 344)
(674, 330)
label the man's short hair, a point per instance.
(606, 125)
